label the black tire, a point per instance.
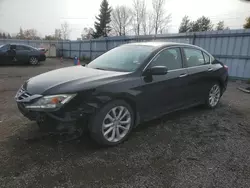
(208, 103)
(96, 122)
(33, 60)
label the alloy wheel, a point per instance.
(116, 124)
(33, 60)
(214, 95)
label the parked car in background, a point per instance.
(124, 87)
(20, 53)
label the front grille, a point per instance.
(22, 94)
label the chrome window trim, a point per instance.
(197, 66)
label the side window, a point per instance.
(19, 48)
(171, 58)
(13, 47)
(207, 58)
(26, 48)
(194, 57)
(22, 47)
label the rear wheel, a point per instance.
(214, 95)
(33, 60)
(112, 124)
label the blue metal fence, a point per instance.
(230, 46)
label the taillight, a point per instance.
(226, 67)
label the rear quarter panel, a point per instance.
(220, 74)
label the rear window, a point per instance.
(23, 48)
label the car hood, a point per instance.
(70, 80)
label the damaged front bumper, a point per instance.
(60, 120)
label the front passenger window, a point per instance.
(171, 58)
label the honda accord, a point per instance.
(122, 88)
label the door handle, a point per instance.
(183, 75)
(209, 69)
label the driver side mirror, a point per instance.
(156, 70)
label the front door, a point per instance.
(164, 93)
(4, 54)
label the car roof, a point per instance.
(161, 44)
(20, 44)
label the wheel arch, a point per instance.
(132, 104)
(128, 98)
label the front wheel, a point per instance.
(214, 95)
(112, 124)
(33, 61)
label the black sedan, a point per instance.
(20, 53)
(122, 88)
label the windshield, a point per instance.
(124, 58)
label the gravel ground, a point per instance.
(190, 148)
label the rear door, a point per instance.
(199, 70)
(163, 93)
(22, 53)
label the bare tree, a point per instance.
(31, 34)
(160, 19)
(58, 34)
(87, 33)
(147, 23)
(121, 18)
(163, 26)
(139, 12)
(65, 30)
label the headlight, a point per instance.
(51, 102)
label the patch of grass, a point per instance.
(248, 81)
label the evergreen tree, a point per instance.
(247, 24)
(4, 36)
(221, 26)
(102, 27)
(201, 24)
(1, 35)
(185, 25)
(9, 37)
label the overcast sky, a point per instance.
(46, 15)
